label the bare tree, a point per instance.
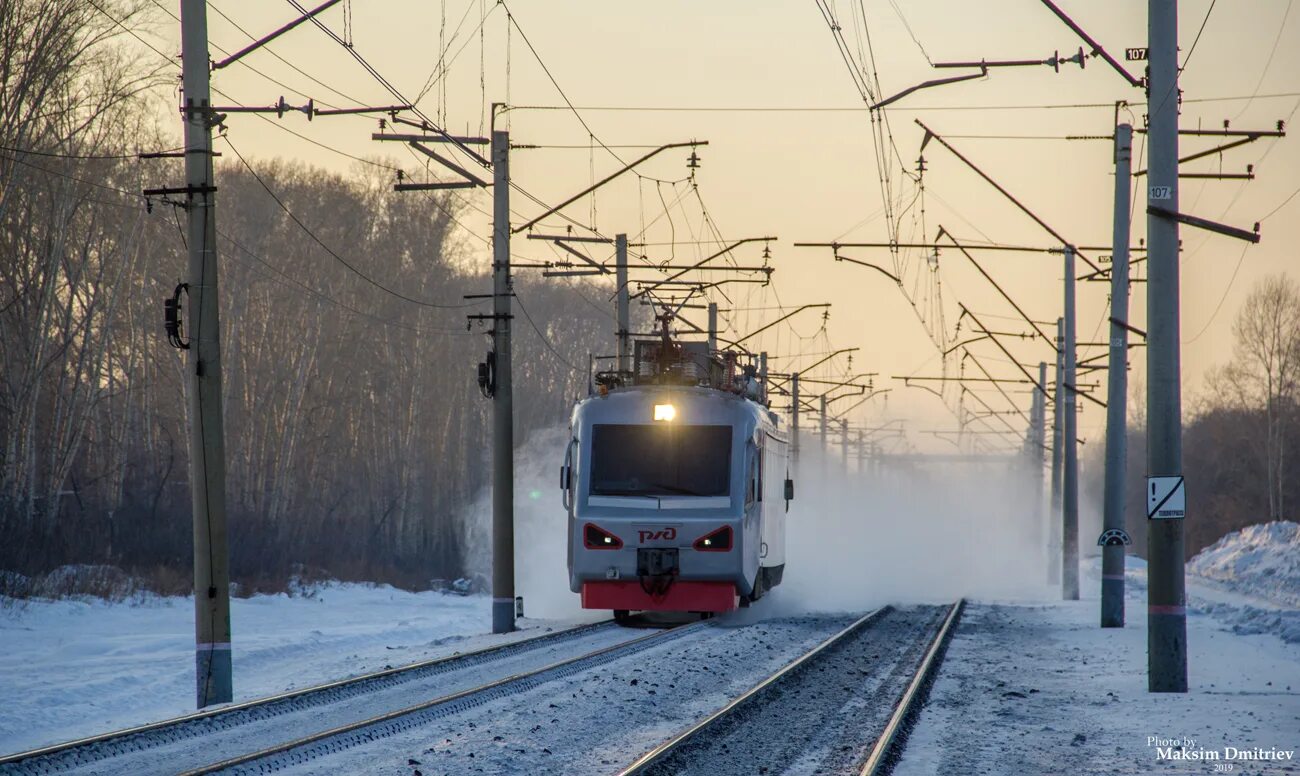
(1264, 372)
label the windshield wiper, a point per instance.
(676, 489)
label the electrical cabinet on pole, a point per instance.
(207, 436)
(1070, 456)
(1166, 594)
(624, 315)
(1054, 513)
(503, 433)
(1114, 538)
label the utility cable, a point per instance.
(293, 217)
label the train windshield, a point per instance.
(665, 459)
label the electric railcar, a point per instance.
(676, 485)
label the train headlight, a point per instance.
(665, 412)
(596, 538)
(715, 541)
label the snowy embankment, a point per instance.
(1250, 579)
(72, 668)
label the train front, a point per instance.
(660, 501)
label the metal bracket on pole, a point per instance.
(690, 144)
(1201, 223)
(267, 39)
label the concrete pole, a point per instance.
(1112, 556)
(1166, 595)
(794, 415)
(1070, 461)
(503, 433)
(762, 377)
(823, 426)
(1040, 441)
(844, 445)
(862, 451)
(213, 671)
(713, 327)
(624, 316)
(1054, 513)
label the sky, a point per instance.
(790, 154)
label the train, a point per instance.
(676, 482)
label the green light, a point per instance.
(534, 494)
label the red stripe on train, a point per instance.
(682, 596)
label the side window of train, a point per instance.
(751, 475)
(758, 484)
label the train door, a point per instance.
(772, 478)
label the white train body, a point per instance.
(677, 498)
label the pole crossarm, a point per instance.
(876, 267)
(1125, 325)
(997, 385)
(449, 164)
(996, 341)
(1096, 48)
(584, 258)
(1245, 137)
(931, 134)
(716, 254)
(255, 45)
(785, 317)
(607, 179)
(984, 71)
(439, 135)
(571, 238)
(996, 285)
(822, 360)
(1206, 224)
(861, 401)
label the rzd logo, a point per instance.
(666, 534)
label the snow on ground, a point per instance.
(1262, 560)
(73, 668)
(1041, 689)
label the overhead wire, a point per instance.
(334, 254)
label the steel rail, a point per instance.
(657, 755)
(372, 726)
(913, 697)
(445, 661)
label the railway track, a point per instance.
(841, 708)
(296, 727)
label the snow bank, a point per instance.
(78, 666)
(1261, 560)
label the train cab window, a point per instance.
(660, 460)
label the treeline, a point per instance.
(355, 431)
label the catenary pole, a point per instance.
(624, 314)
(503, 436)
(1040, 443)
(1054, 512)
(844, 444)
(207, 437)
(794, 415)
(825, 447)
(1070, 455)
(713, 327)
(1166, 595)
(1112, 554)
